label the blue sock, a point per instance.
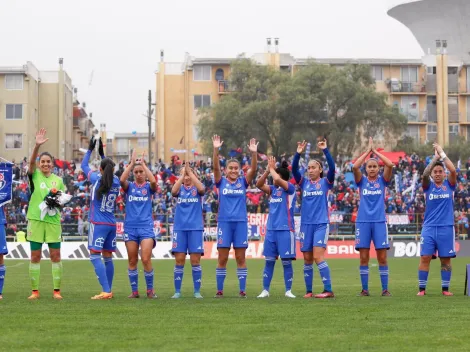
(308, 277)
(445, 277)
(2, 277)
(133, 279)
(268, 272)
(149, 279)
(220, 274)
(100, 271)
(242, 273)
(325, 275)
(383, 271)
(288, 274)
(364, 271)
(108, 263)
(178, 277)
(422, 279)
(197, 278)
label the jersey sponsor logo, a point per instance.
(367, 192)
(137, 199)
(232, 191)
(312, 194)
(188, 200)
(275, 200)
(439, 196)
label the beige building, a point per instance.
(83, 128)
(31, 99)
(121, 146)
(432, 92)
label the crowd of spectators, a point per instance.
(404, 195)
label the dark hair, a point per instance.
(47, 154)
(438, 163)
(107, 165)
(283, 171)
(321, 165)
(233, 160)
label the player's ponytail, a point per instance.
(107, 165)
(283, 171)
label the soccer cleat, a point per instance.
(57, 295)
(197, 295)
(134, 294)
(364, 293)
(386, 293)
(325, 294)
(151, 294)
(34, 296)
(103, 295)
(219, 294)
(421, 293)
(264, 294)
(176, 295)
(308, 295)
(447, 293)
(242, 294)
(289, 294)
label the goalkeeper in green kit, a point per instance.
(47, 195)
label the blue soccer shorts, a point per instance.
(139, 234)
(280, 243)
(440, 239)
(366, 232)
(188, 242)
(3, 240)
(232, 232)
(313, 235)
(102, 238)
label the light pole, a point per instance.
(149, 117)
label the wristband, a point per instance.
(443, 155)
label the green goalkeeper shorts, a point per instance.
(43, 232)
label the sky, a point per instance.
(120, 41)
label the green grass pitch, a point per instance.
(402, 322)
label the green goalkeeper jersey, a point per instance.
(42, 186)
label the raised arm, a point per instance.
(175, 190)
(216, 143)
(428, 169)
(261, 183)
(449, 165)
(253, 147)
(359, 161)
(149, 174)
(388, 168)
(278, 181)
(86, 159)
(295, 163)
(40, 140)
(330, 176)
(125, 175)
(200, 187)
(101, 149)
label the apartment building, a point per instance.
(83, 129)
(121, 146)
(31, 99)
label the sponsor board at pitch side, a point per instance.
(411, 249)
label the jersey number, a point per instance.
(107, 203)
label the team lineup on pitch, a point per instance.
(280, 244)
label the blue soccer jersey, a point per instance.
(232, 199)
(281, 208)
(103, 206)
(439, 204)
(139, 206)
(188, 215)
(315, 201)
(3, 220)
(372, 200)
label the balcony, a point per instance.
(224, 87)
(398, 87)
(76, 125)
(415, 116)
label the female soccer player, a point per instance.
(47, 230)
(102, 232)
(188, 228)
(232, 226)
(280, 236)
(138, 224)
(314, 223)
(371, 224)
(3, 248)
(438, 228)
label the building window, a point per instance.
(142, 143)
(377, 73)
(122, 145)
(202, 101)
(410, 108)
(409, 74)
(453, 132)
(14, 111)
(219, 74)
(431, 133)
(14, 82)
(453, 105)
(13, 141)
(202, 73)
(413, 132)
